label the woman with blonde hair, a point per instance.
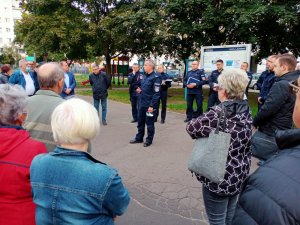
(69, 186)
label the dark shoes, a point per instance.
(104, 123)
(186, 120)
(162, 121)
(134, 141)
(146, 144)
(133, 121)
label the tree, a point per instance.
(9, 55)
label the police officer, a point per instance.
(165, 84)
(244, 66)
(150, 93)
(193, 81)
(213, 85)
(134, 81)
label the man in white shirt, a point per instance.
(25, 78)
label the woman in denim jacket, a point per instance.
(69, 186)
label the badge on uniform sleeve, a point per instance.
(141, 77)
(156, 87)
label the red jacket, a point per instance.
(17, 150)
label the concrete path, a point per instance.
(162, 190)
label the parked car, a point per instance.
(253, 83)
(175, 75)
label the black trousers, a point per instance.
(190, 100)
(212, 100)
(142, 121)
(163, 100)
(135, 101)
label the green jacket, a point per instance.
(40, 107)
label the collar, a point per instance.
(59, 151)
(47, 92)
(13, 127)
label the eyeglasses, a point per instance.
(294, 88)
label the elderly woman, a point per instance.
(70, 186)
(17, 150)
(5, 73)
(220, 198)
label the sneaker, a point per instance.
(104, 123)
(186, 120)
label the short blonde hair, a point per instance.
(234, 81)
(74, 121)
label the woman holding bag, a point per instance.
(220, 198)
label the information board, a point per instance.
(232, 55)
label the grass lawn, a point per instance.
(115, 83)
(176, 101)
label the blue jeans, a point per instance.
(190, 100)
(219, 209)
(103, 106)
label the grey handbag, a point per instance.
(209, 155)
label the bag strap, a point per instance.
(223, 113)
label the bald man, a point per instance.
(41, 105)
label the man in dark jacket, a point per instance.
(150, 92)
(266, 80)
(134, 81)
(244, 66)
(193, 81)
(213, 85)
(100, 82)
(271, 194)
(276, 113)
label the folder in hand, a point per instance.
(192, 80)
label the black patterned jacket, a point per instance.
(238, 124)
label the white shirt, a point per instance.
(29, 87)
(67, 80)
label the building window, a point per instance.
(7, 30)
(7, 20)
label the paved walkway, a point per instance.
(163, 192)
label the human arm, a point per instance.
(72, 82)
(276, 99)
(203, 125)
(156, 89)
(117, 197)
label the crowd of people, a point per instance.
(46, 140)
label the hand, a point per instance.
(150, 109)
(254, 129)
(163, 82)
(138, 90)
(83, 83)
(191, 85)
(68, 91)
(215, 88)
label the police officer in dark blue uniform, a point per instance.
(213, 85)
(244, 66)
(165, 84)
(150, 93)
(193, 81)
(134, 81)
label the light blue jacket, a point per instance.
(18, 78)
(71, 187)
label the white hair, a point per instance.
(74, 121)
(234, 81)
(22, 62)
(13, 101)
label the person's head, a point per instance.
(244, 66)
(296, 113)
(13, 102)
(195, 65)
(74, 122)
(23, 65)
(135, 67)
(31, 64)
(96, 69)
(64, 66)
(232, 84)
(160, 68)
(284, 63)
(219, 64)
(270, 62)
(149, 66)
(51, 77)
(6, 69)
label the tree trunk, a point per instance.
(108, 67)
